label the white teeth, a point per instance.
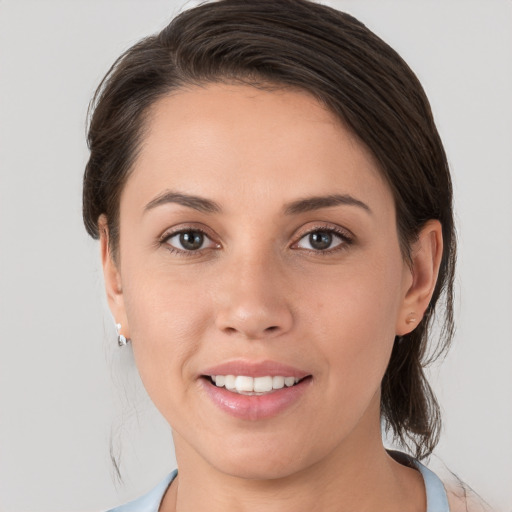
(229, 382)
(289, 381)
(243, 383)
(278, 382)
(263, 384)
(249, 385)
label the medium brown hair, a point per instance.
(301, 45)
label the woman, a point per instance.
(274, 209)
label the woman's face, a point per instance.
(258, 240)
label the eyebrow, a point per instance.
(316, 203)
(300, 206)
(197, 203)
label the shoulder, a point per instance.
(461, 497)
(465, 500)
(149, 502)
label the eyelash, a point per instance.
(346, 237)
(181, 252)
(346, 240)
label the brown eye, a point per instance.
(320, 240)
(190, 240)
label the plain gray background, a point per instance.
(65, 387)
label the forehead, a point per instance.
(220, 140)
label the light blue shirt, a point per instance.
(437, 500)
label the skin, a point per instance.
(257, 290)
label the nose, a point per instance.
(253, 300)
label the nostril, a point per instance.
(272, 328)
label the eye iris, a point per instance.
(191, 240)
(320, 240)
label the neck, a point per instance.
(356, 475)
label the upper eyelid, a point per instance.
(342, 232)
(337, 230)
(164, 240)
(170, 232)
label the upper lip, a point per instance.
(255, 369)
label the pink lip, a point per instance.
(255, 369)
(254, 407)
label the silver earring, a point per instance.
(121, 340)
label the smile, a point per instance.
(254, 391)
(258, 386)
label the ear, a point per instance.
(426, 255)
(112, 278)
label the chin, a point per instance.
(258, 468)
(263, 459)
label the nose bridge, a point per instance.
(254, 301)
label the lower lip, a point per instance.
(255, 407)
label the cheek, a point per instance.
(167, 320)
(354, 316)
(162, 309)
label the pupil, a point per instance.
(320, 240)
(191, 240)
